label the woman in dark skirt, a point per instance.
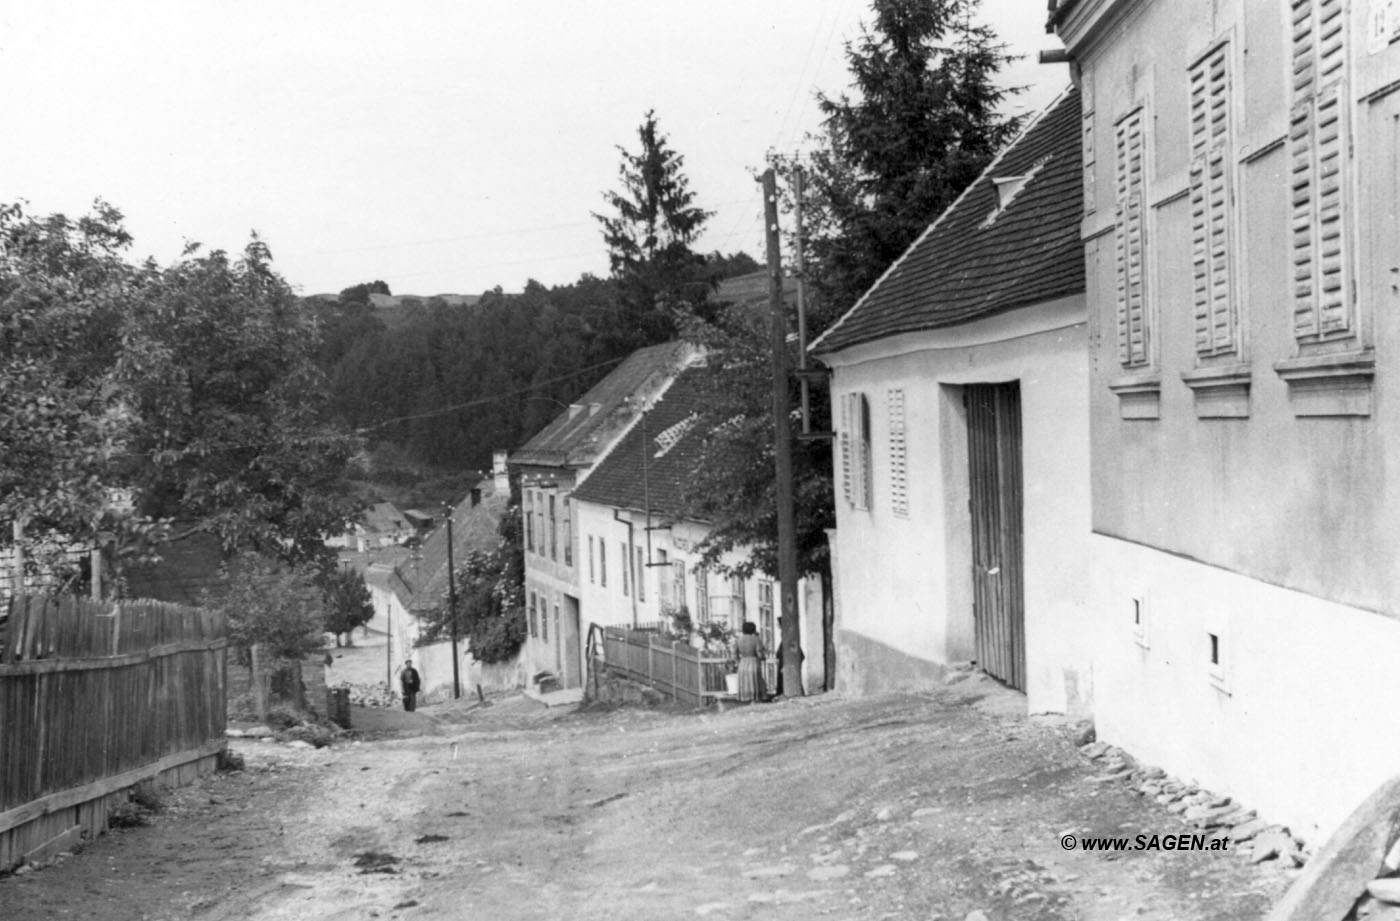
(751, 653)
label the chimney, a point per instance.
(500, 472)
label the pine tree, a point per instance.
(649, 233)
(920, 124)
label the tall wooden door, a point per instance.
(994, 465)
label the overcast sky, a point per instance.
(441, 146)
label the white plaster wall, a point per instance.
(905, 582)
(1301, 731)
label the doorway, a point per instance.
(994, 469)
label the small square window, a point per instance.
(1217, 656)
(1139, 612)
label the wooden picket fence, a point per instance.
(668, 665)
(97, 698)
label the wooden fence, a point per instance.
(670, 666)
(96, 698)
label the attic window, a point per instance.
(1008, 187)
(671, 436)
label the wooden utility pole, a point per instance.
(791, 657)
(452, 609)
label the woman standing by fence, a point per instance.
(751, 654)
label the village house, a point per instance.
(1243, 278)
(638, 558)
(960, 393)
(549, 466)
(380, 525)
(407, 584)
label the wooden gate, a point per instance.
(994, 464)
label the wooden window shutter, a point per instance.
(899, 446)
(1319, 149)
(1211, 194)
(846, 448)
(865, 485)
(1130, 242)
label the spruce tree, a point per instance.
(919, 124)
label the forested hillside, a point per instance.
(448, 384)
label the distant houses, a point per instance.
(413, 581)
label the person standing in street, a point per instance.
(410, 682)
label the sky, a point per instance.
(444, 147)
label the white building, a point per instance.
(960, 394)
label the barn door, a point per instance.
(994, 463)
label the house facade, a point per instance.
(639, 559)
(549, 467)
(1243, 277)
(960, 394)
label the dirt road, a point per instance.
(923, 806)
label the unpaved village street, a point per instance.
(929, 806)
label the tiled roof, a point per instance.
(473, 528)
(976, 261)
(383, 518)
(577, 437)
(651, 465)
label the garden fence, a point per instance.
(96, 698)
(668, 665)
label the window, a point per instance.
(1323, 307)
(736, 602)
(534, 627)
(1130, 245)
(530, 520)
(553, 530)
(899, 472)
(568, 534)
(662, 565)
(678, 583)
(591, 576)
(765, 613)
(855, 450)
(544, 620)
(639, 576)
(702, 595)
(602, 562)
(626, 569)
(1212, 221)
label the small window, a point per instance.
(1217, 656)
(591, 576)
(602, 562)
(640, 577)
(1138, 609)
(626, 570)
(544, 620)
(534, 627)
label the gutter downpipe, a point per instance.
(631, 553)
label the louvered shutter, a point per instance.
(846, 448)
(1319, 154)
(1211, 193)
(899, 473)
(866, 486)
(1129, 241)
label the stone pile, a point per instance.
(1216, 816)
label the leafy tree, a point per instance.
(64, 289)
(490, 598)
(189, 390)
(921, 125)
(275, 615)
(218, 369)
(348, 604)
(649, 231)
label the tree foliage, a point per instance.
(490, 610)
(190, 390)
(734, 487)
(649, 230)
(920, 123)
(277, 606)
(348, 603)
